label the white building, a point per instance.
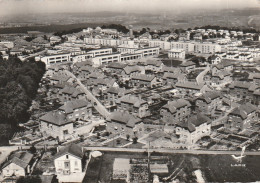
(176, 53)
(207, 48)
(106, 59)
(187, 46)
(55, 59)
(68, 160)
(98, 52)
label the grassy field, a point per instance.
(215, 168)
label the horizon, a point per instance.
(27, 7)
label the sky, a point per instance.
(10, 7)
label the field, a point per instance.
(215, 168)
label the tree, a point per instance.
(135, 139)
(33, 150)
(29, 179)
(127, 137)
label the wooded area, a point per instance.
(19, 82)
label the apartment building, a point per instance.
(99, 52)
(56, 59)
(106, 59)
(208, 48)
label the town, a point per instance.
(124, 101)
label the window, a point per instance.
(76, 163)
(67, 156)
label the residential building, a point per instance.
(207, 48)
(143, 80)
(55, 59)
(242, 117)
(18, 164)
(77, 109)
(106, 59)
(99, 52)
(191, 88)
(208, 102)
(134, 105)
(69, 160)
(193, 129)
(125, 124)
(175, 111)
(187, 66)
(56, 125)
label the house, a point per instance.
(214, 59)
(221, 78)
(172, 78)
(69, 160)
(191, 88)
(208, 102)
(242, 117)
(77, 109)
(242, 89)
(254, 77)
(223, 66)
(134, 105)
(125, 124)
(187, 66)
(19, 164)
(116, 68)
(152, 65)
(56, 125)
(60, 79)
(131, 70)
(175, 111)
(193, 129)
(84, 72)
(70, 92)
(142, 80)
(112, 94)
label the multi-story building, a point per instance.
(77, 109)
(242, 117)
(187, 46)
(106, 59)
(207, 48)
(193, 129)
(68, 160)
(99, 52)
(175, 111)
(125, 124)
(56, 125)
(176, 53)
(134, 105)
(56, 59)
(208, 102)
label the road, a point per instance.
(200, 77)
(97, 104)
(255, 153)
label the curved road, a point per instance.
(201, 75)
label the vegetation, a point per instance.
(29, 179)
(19, 83)
(118, 27)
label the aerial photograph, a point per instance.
(129, 91)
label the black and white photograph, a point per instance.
(129, 91)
